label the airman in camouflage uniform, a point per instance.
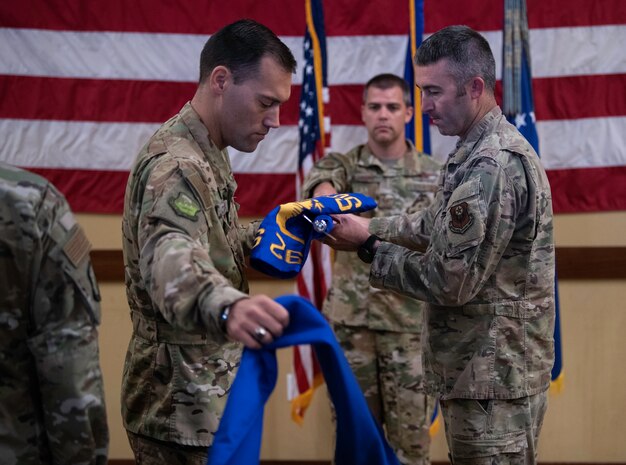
(184, 250)
(488, 270)
(52, 407)
(380, 331)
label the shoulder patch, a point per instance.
(67, 220)
(77, 247)
(184, 206)
(200, 187)
(460, 218)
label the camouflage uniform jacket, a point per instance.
(488, 271)
(184, 262)
(52, 408)
(404, 187)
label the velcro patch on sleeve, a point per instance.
(67, 220)
(77, 247)
(201, 189)
(460, 218)
(184, 206)
(328, 163)
(465, 223)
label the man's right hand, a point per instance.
(256, 321)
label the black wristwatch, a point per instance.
(224, 314)
(366, 251)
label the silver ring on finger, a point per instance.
(259, 333)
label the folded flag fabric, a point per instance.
(360, 441)
(284, 237)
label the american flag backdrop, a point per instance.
(84, 84)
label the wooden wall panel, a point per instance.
(578, 263)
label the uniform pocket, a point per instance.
(481, 451)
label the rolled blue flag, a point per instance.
(284, 237)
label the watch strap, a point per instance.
(366, 251)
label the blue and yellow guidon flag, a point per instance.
(283, 240)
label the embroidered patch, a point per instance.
(184, 206)
(77, 247)
(460, 218)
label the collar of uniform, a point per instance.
(465, 146)
(197, 128)
(367, 158)
(200, 133)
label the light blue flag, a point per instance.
(518, 106)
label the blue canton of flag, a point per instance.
(313, 95)
(524, 121)
(308, 124)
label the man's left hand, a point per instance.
(349, 232)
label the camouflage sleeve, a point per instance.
(175, 261)
(333, 168)
(247, 234)
(468, 241)
(64, 345)
(412, 231)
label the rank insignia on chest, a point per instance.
(185, 206)
(460, 218)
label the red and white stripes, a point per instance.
(83, 88)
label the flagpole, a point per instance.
(314, 279)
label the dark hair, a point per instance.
(387, 81)
(468, 53)
(240, 47)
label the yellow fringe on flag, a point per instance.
(435, 426)
(556, 386)
(300, 403)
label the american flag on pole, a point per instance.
(313, 127)
(518, 106)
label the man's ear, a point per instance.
(477, 87)
(409, 114)
(219, 79)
